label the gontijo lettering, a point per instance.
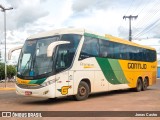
(137, 66)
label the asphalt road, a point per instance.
(121, 100)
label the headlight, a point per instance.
(47, 83)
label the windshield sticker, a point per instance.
(30, 43)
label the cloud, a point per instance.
(21, 19)
(122, 31)
(84, 5)
(29, 16)
(81, 6)
(14, 3)
(24, 12)
(103, 16)
(156, 32)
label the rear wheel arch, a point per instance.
(88, 82)
(140, 78)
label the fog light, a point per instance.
(45, 92)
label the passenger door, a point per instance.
(64, 59)
(62, 83)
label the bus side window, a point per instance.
(90, 48)
(144, 55)
(122, 52)
(131, 52)
(153, 55)
(106, 49)
(117, 54)
(140, 54)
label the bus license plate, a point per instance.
(28, 93)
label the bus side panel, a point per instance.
(135, 69)
(100, 82)
(89, 69)
(113, 73)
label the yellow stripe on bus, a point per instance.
(21, 81)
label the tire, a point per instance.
(139, 85)
(145, 84)
(83, 91)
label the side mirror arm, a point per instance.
(52, 46)
(12, 50)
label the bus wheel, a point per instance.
(139, 85)
(83, 91)
(145, 84)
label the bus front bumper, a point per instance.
(47, 91)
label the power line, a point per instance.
(145, 6)
(148, 15)
(128, 10)
(148, 28)
(138, 5)
(130, 6)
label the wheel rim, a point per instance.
(82, 91)
(145, 84)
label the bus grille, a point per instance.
(29, 86)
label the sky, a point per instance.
(29, 17)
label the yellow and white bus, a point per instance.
(78, 62)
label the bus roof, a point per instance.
(119, 40)
(58, 32)
(82, 31)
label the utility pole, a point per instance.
(3, 9)
(130, 30)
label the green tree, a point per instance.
(2, 71)
(11, 71)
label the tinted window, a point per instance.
(124, 52)
(140, 55)
(66, 52)
(114, 50)
(106, 48)
(151, 55)
(144, 55)
(90, 48)
(117, 54)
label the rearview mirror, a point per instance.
(52, 46)
(12, 50)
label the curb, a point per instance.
(7, 88)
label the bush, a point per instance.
(11, 71)
(2, 71)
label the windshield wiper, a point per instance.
(24, 69)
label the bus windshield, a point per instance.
(33, 60)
